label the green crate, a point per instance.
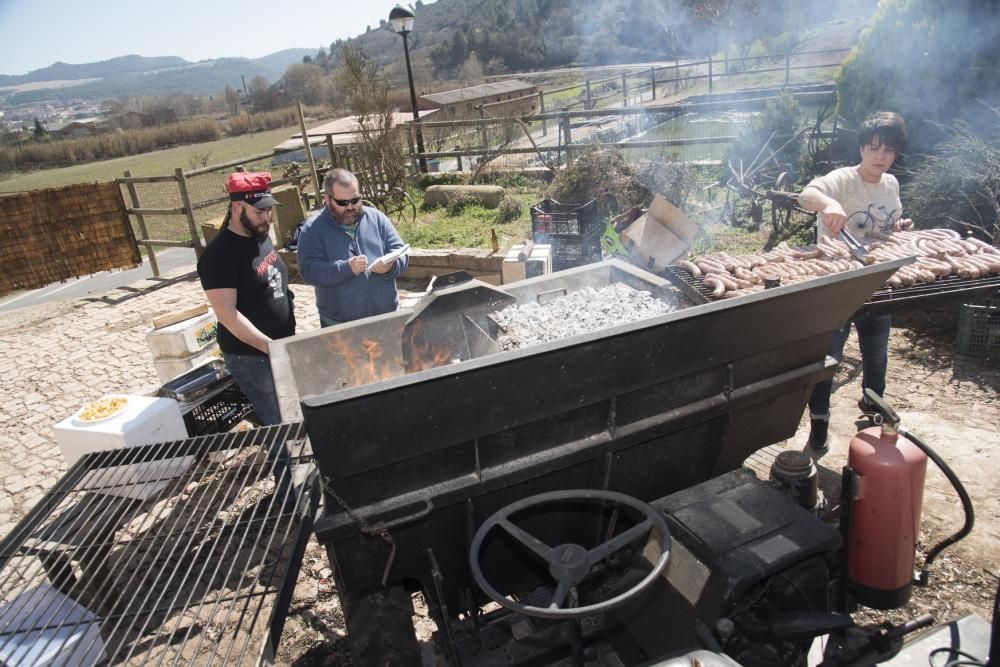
(978, 331)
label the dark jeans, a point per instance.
(325, 321)
(873, 338)
(253, 375)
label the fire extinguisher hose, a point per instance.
(922, 577)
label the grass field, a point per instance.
(157, 163)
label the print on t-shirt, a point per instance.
(265, 267)
(875, 218)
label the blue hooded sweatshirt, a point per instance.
(324, 251)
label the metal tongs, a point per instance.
(854, 246)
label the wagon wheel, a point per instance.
(399, 207)
(571, 564)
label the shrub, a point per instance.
(457, 203)
(599, 174)
(509, 210)
(959, 185)
(446, 178)
(673, 180)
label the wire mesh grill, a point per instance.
(171, 552)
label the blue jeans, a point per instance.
(873, 338)
(253, 374)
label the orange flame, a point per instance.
(364, 365)
(425, 354)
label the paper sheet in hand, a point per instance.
(389, 257)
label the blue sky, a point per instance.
(37, 33)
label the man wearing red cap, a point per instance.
(246, 283)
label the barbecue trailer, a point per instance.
(579, 490)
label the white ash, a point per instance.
(577, 312)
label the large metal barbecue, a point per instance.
(412, 460)
(172, 553)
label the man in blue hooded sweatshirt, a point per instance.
(338, 253)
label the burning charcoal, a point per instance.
(578, 312)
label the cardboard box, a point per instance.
(659, 237)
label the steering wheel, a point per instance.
(569, 564)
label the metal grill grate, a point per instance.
(166, 553)
(948, 288)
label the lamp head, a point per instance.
(401, 19)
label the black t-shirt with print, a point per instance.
(260, 278)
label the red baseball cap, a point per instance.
(253, 187)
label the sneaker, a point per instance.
(867, 413)
(817, 435)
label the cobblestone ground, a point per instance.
(59, 356)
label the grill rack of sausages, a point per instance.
(939, 253)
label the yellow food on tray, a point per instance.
(103, 408)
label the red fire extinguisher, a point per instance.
(887, 466)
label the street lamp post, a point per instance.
(401, 20)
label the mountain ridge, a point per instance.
(137, 75)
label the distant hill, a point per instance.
(139, 75)
(525, 36)
(130, 64)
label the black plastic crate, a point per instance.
(568, 251)
(550, 218)
(979, 331)
(218, 413)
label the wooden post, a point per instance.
(189, 212)
(411, 147)
(541, 110)
(652, 80)
(133, 195)
(589, 103)
(567, 137)
(677, 74)
(482, 128)
(309, 154)
(788, 62)
(329, 150)
(624, 91)
(709, 72)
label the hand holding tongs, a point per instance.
(854, 246)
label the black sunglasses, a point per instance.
(346, 202)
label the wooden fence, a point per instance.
(183, 200)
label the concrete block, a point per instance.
(489, 196)
(210, 229)
(287, 216)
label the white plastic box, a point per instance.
(145, 420)
(69, 634)
(183, 338)
(169, 368)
